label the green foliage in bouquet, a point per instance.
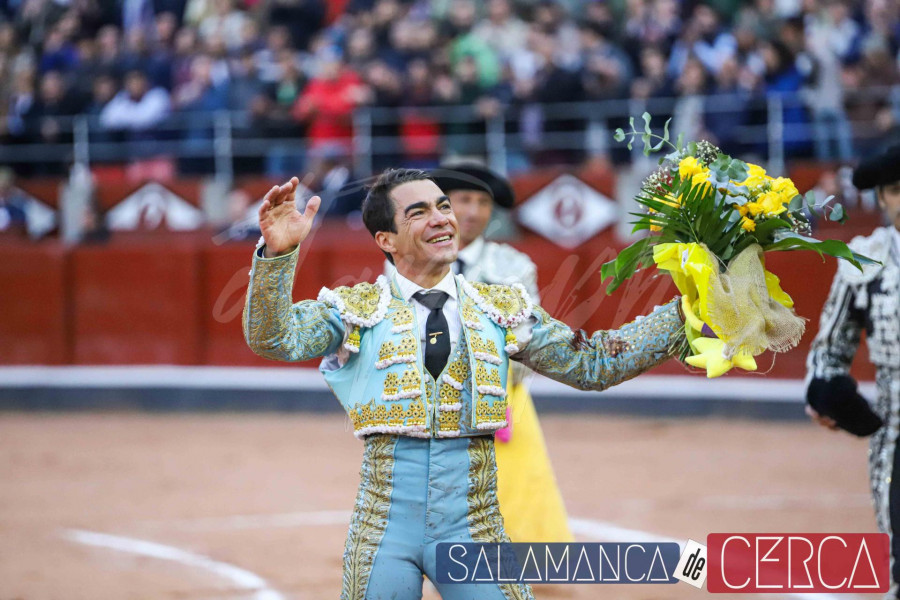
(701, 195)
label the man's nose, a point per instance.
(438, 219)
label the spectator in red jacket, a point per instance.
(327, 104)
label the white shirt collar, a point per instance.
(408, 288)
(470, 253)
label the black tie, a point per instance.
(437, 333)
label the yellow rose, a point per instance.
(785, 187)
(754, 208)
(690, 166)
(756, 177)
(748, 224)
(772, 203)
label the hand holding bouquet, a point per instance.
(711, 218)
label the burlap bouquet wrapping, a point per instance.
(743, 311)
(743, 304)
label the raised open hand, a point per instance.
(282, 225)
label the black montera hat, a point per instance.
(882, 168)
(472, 176)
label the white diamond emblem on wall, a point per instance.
(568, 212)
(154, 206)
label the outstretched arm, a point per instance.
(274, 327)
(607, 357)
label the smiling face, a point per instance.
(473, 211)
(427, 238)
(889, 199)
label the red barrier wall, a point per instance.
(177, 299)
(34, 306)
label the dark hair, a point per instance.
(378, 207)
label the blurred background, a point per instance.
(137, 138)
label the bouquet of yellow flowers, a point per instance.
(711, 220)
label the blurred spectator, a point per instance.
(650, 24)
(552, 133)
(59, 54)
(137, 109)
(270, 117)
(607, 69)
(303, 18)
(420, 131)
(19, 105)
(360, 49)
(326, 105)
(726, 110)
(654, 81)
(269, 58)
(108, 48)
(139, 55)
(468, 44)
(830, 126)
(215, 49)
(137, 15)
(104, 89)
(49, 121)
(760, 18)
(688, 118)
(225, 22)
(13, 205)
(186, 48)
(244, 84)
(551, 18)
(197, 103)
(385, 91)
(784, 80)
(166, 26)
(36, 18)
(504, 32)
(703, 37)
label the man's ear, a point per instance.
(385, 241)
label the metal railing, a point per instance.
(770, 128)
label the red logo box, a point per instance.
(773, 563)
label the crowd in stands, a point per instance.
(296, 70)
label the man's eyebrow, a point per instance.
(424, 204)
(414, 206)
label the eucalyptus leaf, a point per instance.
(619, 135)
(810, 198)
(837, 214)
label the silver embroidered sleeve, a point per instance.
(279, 330)
(840, 326)
(640, 345)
